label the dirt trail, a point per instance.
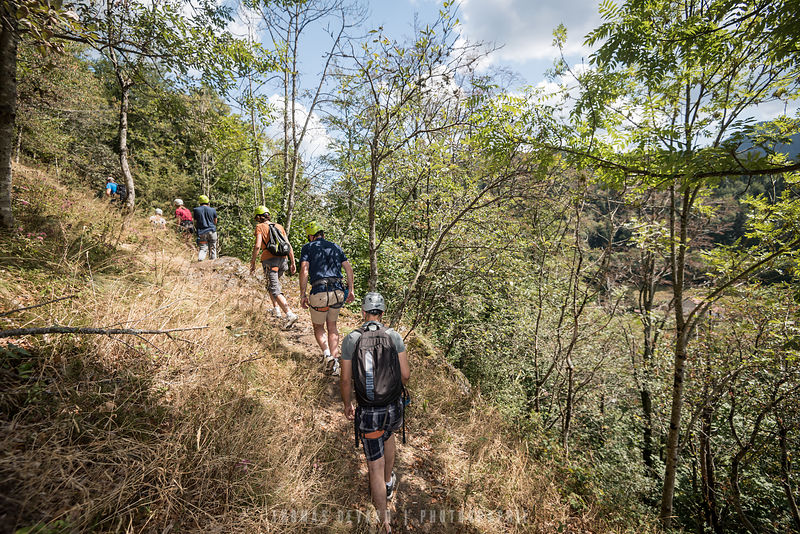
(421, 492)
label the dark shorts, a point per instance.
(388, 418)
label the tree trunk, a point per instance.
(785, 475)
(8, 109)
(295, 142)
(373, 244)
(647, 431)
(678, 260)
(286, 171)
(737, 492)
(258, 189)
(707, 475)
(569, 402)
(125, 87)
(646, 297)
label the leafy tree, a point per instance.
(135, 37)
(64, 119)
(402, 92)
(39, 19)
(664, 106)
(288, 22)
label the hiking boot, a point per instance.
(276, 312)
(390, 487)
(332, 365)
(291, 318)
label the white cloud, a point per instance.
(525, 27)
(244, 21)
(316, 141)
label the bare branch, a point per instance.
(56, 329)
(37, 305)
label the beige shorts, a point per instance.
(325, 313)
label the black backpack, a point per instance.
(122, 192)
(277, 244)
(376, 368)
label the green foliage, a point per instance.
(63, 118)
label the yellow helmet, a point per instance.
(203, 199)
(313, 228)
(260, 210)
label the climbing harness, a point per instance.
(406, 398)
(329, 286)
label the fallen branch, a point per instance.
(37, 305)
(55, 329)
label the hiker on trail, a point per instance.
(374, 357)
(183, 217)
(321, 263)
(111, 189)
(158, 221)
(205, 223)
(273, 243)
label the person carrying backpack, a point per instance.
(375, 358)
(111, 189)
(205, 222)
(157, 220)
(272, 242)
(183, 217)
(122, 194)
(321, 264)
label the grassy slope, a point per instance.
(228, 429)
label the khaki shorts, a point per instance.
(324, 301)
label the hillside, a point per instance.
(228, 428)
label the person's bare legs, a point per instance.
(321, 336)
(333, 339)
(378, 489)
(388, 453)
(282, 302)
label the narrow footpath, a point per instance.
(421, 502)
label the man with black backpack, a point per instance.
(273, 243)
(374, 357)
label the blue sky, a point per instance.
(521, 29)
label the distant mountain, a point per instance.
(792, 150)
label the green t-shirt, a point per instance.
(349, 343)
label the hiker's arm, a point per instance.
(256, 250)
(346, 374)
(303, 284)
(292, 266)
(349, 270)
(405, 370)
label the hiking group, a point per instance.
(201, 221)
(373, 360)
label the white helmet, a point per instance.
(159, 212)
(373, 301)
(178, 202)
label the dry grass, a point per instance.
(228, 429)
